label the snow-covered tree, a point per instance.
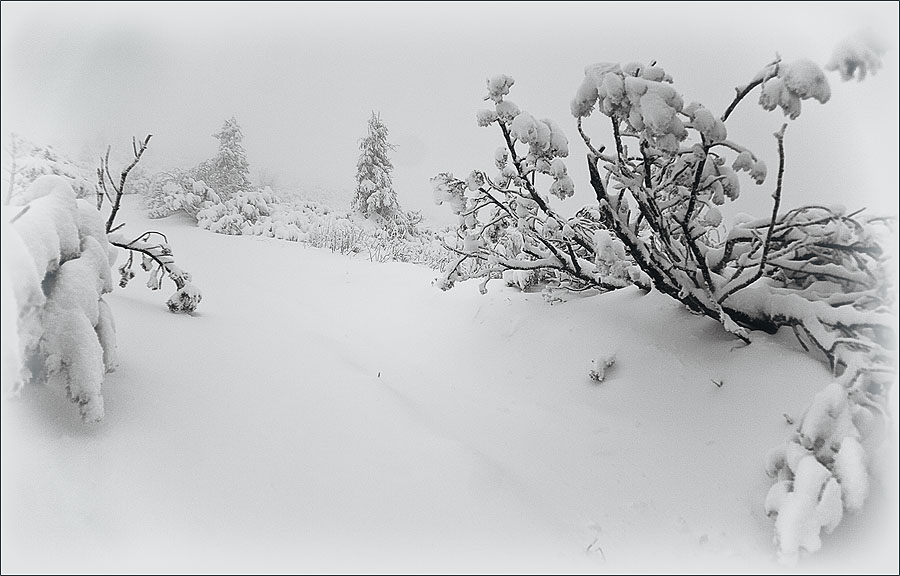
(823, 272)
(58, 257)
(375, 197)
(228, 173)
(508, 226)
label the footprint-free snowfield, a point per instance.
(279, 429)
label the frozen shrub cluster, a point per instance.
(238, 213)
(818, 270)
(507, 226)
(169, 192)
(822, 470)
(823, 272)
(261, 212)
(59, 259)
(28, 162)
(218, 195)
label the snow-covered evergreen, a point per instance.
(228, 173)
(375, 196)
(59, 261)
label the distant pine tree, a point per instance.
(375, 197)
(228, 173)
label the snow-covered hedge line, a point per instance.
(57, 258)
(262, 213)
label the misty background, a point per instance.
(302, 80)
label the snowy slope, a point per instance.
(320, 413)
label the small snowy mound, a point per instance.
(57, 258)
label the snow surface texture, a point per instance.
(356, 419)
(58, 259)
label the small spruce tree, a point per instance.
(375, 197)
(228, 173)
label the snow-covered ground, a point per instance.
(323, 413)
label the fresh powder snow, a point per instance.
(314, 414)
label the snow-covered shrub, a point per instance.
(59, 260)
(238, 213)
(823, 272)
(507, 223)
(172, 191)
(156, 256)
(28, 162)
(822, 470)
(375, 197)
(818, 270)
(339, 234)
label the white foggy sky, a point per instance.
(303, 78)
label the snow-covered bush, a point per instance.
(823, 272)
(375, 197)
(156, 256)
(822, 470)
(238, 213)
(263, 213)
(818, 270)
(59, 259)
(505, 221)
(28, 162)
(172, 191)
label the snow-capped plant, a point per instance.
(507, 223)
(228, 172)
(59, 261)
(375, 197)
(28, 162)
(236, 215)
(599, 367)
(820, 271)
(151, 247)
(172, 191)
